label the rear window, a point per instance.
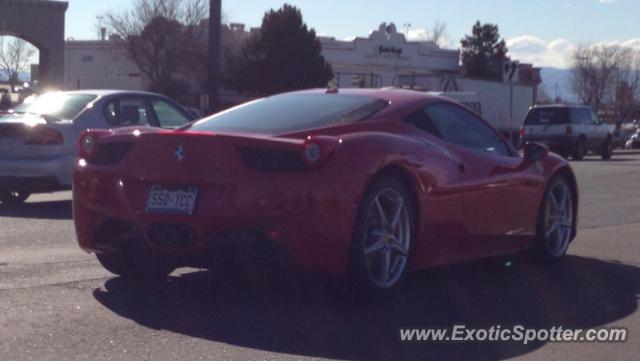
(60, 106)
(292, 112)
(548, 116)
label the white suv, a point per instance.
(570, 130)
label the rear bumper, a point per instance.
(38, 175)
(554, 142)
(178, 244)
(305, 218)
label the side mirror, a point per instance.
(533, 152)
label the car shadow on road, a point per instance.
(248, 308)
(40, 210)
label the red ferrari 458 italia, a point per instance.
(366, 183)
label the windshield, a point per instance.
(60, 106)
(547, 116)
(292, 112)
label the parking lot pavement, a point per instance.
(57, 303)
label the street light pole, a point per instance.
(215, 22)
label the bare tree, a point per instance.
(15, 56)
(607, 77)
(157, 35)
(627, 85)
(594, 71)
(135, 19)
(438, 34)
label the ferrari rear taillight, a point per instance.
(316, 150)
(521, 132)
(88, 145)
(311, 153)
(44, 136)
(89, 142)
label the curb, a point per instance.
(626, 152)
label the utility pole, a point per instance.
(215, 22)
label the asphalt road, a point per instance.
(57, 303)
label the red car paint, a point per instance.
(467, 204)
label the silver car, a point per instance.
(38, 139)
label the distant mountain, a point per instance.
(557, 82)
(23, 76)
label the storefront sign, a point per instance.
(389, 50)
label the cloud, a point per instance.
(632, 43)
(417, 34)
(556, 53)
(607, 1)
(422, 34)
(531, 49)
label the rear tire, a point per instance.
(556, 222)
(383, 239)
(579, 150)
(13, 197)
(127, 265)
(607, 149)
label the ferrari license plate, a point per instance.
(180, 201)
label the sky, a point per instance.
(540, 31)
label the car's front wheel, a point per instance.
(556, 221)
(383, 240)
(13, 197)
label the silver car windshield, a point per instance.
(55, 106)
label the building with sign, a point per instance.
(385, 58)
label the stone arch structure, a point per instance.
(40, 22)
